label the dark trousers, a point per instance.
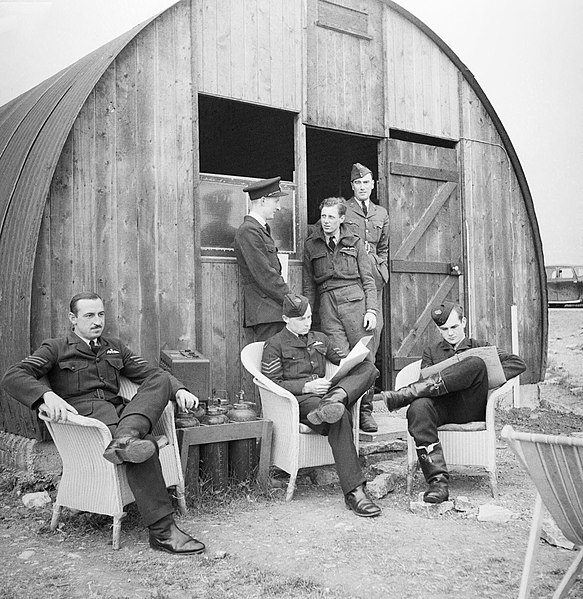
(467, 386)
(340, 435)
(266, 330)
(146, 480)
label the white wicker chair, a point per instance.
(471, 444)
(294, 445)
(92, 484)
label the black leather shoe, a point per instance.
(129, 449)
(329, 412)
(368, 423)
(360, 504)
(438, 491)
(174, 540)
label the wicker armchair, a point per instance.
(294, 445)
(470, 444)
(92, 484)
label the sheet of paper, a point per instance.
(488, 353)
(357, 354)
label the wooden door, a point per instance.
(426, 245)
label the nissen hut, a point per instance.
(123, 174)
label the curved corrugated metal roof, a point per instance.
(33, 130)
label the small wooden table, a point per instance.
(189, 440)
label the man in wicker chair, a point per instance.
(295, 358)
(83, 370)
(457, 394)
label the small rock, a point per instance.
(462, 504)
(494, 513)
(430, 510)
(576, 390)
(325, 475)
(395, 467)
(25, 555)
(32, 500)
(220, 554)
(381, 485)
(552, 534)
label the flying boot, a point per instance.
(435, 472)
(367, 422)
(432, 386)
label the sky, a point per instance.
(527, 55)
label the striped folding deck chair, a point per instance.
(555, 465)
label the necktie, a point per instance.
(364, 208)
(268, 229)
(331, 243)
(94, 347)
(303, 338)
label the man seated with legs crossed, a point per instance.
(458, 394)
(83, 371)
(295, 358)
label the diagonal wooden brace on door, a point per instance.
(439, 199)
(424, 319)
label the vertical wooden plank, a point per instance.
(238, 49)
(263, 52)
(147, 140)
(250, 49)
(84, 214)
(106, 260)
(127, 179)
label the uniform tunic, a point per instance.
(291, 362)
(467, 385)
(90, 383)
(373, 230)
(260, 269)
(343, 280)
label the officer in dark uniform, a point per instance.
(371, 223)
(458, 394)
(295, 358)
(83, 371)
(263, 285)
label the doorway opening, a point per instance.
(329, 159)
(330, 156)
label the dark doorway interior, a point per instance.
(245, 140)
(330, 156)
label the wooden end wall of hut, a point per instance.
(119, 218)
(501, 255)
(422, 93)
(345, 64)
(250, 50)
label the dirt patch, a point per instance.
(261, 546)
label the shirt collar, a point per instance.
(258, 218)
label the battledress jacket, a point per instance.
(291, 362)
(263, 285)
(512, 365)
(86, 381)
(373, 230)
(347, 265)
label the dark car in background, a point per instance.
(564, 285)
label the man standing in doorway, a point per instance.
(263, 286)
(371, 223)
(337, 268)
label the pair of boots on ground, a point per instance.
(330, 410)
(130, 445)
(430, 458)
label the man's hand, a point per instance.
(370, 321)
(186, 400)
(55, 408)
(317, 386)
